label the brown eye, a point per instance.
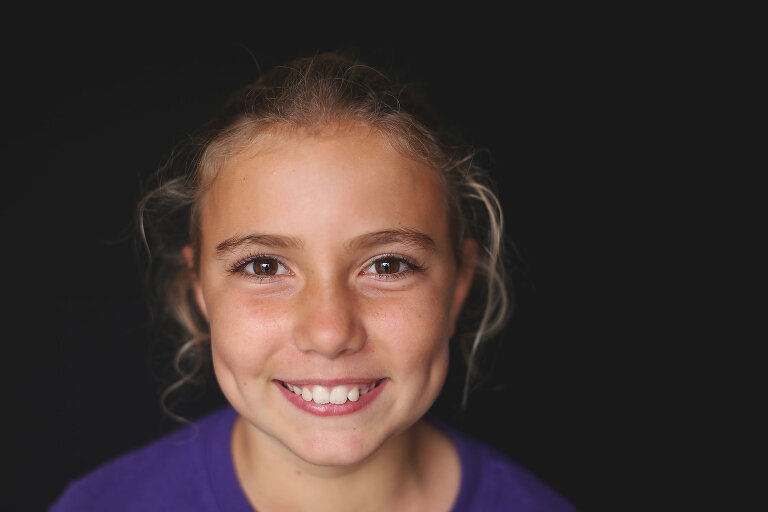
(387, 266)
(391, 266)
(265, 267)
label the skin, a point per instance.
(328, 312)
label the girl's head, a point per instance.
(325, 233)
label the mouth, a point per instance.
(332, 397)
(337, 394)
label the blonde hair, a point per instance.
(311, 93)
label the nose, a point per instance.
(328, 322)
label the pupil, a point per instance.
(265, 268)
(387, 267)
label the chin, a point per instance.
(335, 450)
(323, 457)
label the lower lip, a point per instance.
(348, 407)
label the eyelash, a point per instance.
(240, 266)
(412, 266)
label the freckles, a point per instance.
(246, 331)
(402, 322)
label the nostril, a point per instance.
(329, 332)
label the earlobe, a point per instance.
(189, 256)
(463, 280)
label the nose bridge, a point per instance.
(328, 321)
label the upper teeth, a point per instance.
(335, 395)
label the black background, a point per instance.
(91, 109)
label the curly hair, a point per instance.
(311, 93)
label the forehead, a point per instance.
(341, 180)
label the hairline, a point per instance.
(249, 136)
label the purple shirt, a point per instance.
(192, 470)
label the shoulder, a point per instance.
(168, 474)
(492, 481)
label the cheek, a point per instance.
(244, 330)
(415, 328)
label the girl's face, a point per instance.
(326, 273)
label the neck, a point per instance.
(391, 478)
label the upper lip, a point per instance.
(332, 382)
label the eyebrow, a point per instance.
(404, 236)
(235, 242)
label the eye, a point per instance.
(391, 267)
(264, 267)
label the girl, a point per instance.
(319, 250)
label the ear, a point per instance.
(189, 255)
(463, 280)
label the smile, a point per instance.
(331, 399)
